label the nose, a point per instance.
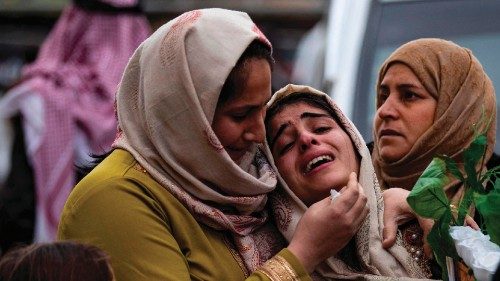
(306, 140)
(255, 131)
(388, 109)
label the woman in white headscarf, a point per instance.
(183, 195)
(316, 148)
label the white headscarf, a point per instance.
(288, 209)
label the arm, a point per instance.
(126, 223)
(144, 241)
(397, 211)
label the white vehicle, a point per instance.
(360, 34)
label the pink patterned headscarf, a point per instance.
(166, 104)
(75, 76)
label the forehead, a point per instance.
(256, 84)
(292, 113)
(399, 71)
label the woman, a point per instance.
(316, 149)
(432, 97)
(183, 195)
(59, 261)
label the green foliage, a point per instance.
(441, 242)
(427, 197)
(488, 207)
(429, 200)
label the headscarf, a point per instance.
(464, 94)
(66, 99)
(166, 103)
(377, 261)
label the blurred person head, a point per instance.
(59, 261)
(66, 96)
(433, 96)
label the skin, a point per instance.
(405, 111)
(301, 133)
(239, 122)
(316, 238)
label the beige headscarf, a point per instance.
(165, 105)
(288, 209)
(456, 79)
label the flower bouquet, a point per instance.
(463, 245)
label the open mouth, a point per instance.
(318, 161)
(389, 132)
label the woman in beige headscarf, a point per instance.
(183, 194)
(432, 97)
(316, 149)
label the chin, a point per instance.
(390, 157)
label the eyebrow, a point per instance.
(253, 106)
(304, 115)
(401, 86)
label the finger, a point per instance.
(349, 195)
(427, 249)
(389, 232)
(469, 221)
(426, 225)
(358, 212)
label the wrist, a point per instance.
(305, 256)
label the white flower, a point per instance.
(477, 251)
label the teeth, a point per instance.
(316, 160)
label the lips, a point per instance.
(388, 132)
(318, 161)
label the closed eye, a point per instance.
(322, 130)
(285, 148)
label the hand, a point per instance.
(327, 227)
(397, 211)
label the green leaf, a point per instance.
(464, 206)
(427, 197)
(452, 166)
(488, 207)
(472, 155)
(441, 242)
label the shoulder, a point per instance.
(118, 192)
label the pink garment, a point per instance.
(76, 74)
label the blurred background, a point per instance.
(336, 46)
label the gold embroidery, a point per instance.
(138, 167)
(235, 255)
(278, 269)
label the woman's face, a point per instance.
(239, 122)
(405, 111)
(312, 152)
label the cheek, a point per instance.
(226, 131)
(425, 119)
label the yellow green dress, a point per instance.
(150, 235)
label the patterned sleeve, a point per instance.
(282, 267)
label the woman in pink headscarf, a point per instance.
(66, 96)
(184, 193)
